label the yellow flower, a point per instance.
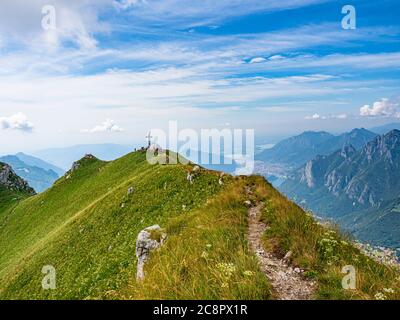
(380, 296)
(248, 273)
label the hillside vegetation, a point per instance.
(86, 226)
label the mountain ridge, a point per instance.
(36, 162)
(12, 188)
(38, 178)
(351, 182)
(297, 150)
(86, 226)
(64, 157)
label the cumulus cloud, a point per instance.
(381, 108)
(106, 126)
(18, 121)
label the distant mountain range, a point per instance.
(386, 128)
(357, 187)
(36, 162)
(39, 174)
(296, 151)
(64, 157)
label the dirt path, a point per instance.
(286, 282)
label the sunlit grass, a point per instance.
(206, 256)
(322, 252)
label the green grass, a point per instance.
(322, 252)
(8, 200)
(86, 226)
(81, 228)
(206, 256)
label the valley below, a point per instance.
(355, 186)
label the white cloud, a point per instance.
(18, 121)
(315, 116)
(257, 60)
(204, 12)
(381, 108)
(125, 4)
(276, 57)
(106, 126)
(76, 21)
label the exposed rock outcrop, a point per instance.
(148, 240)
(10, 180)
(76, 165)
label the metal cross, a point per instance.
(149, 137)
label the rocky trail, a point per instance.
(287, 282)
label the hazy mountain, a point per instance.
(36, 162)
(350, 181)
(386, 128)
(64, 157)
(38, 178)
(11, 181)
(357, 138)
(296, 151)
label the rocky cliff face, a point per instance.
(297, 151)
(325, 170)
(358, 189)
(11, 181)
(367, 177)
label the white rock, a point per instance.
(288, 255)
(144, 245)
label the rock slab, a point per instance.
(148, 240)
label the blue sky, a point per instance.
(111, 71)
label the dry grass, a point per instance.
(322, 252)
(206, 256)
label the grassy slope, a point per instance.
(322, 252)
(9, 199)
(206, 256)
(80, 227)
(188, 266)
